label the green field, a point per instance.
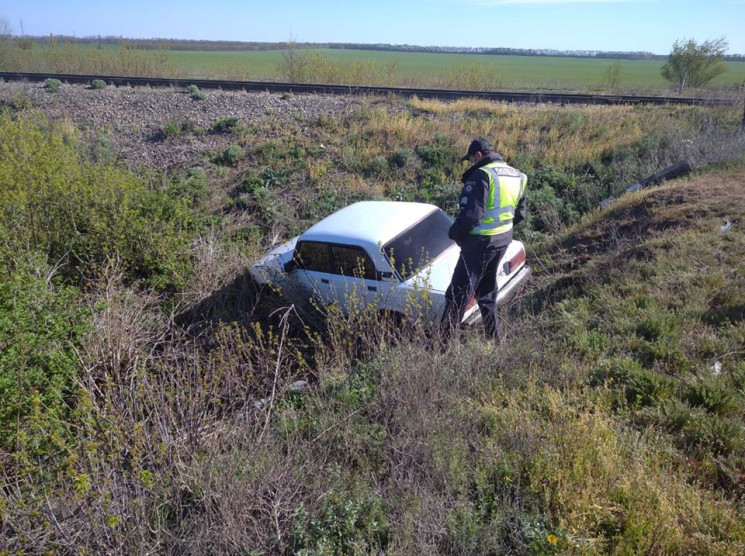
(363, 67)
(521, 72)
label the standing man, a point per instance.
(492, 200)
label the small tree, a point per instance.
(295, 65)
(693, 65)
(611, 78)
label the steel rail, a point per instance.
(307, 88)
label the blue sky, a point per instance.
(623, 25)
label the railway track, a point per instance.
(304, 88)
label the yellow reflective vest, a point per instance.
(506, 188)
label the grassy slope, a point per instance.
(636, 307)
(598, 427)
(606, 406)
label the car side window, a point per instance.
(313, 255)
(352, 261)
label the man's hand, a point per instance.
(457, 234)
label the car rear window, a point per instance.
(352, 261)
(416, 247)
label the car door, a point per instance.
(337, 273)
(313, 269)
(356, 278)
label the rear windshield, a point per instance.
(416, 247)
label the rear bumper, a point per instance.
(513, 286)
(507, 292)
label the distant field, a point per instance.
(536, 72)
(367, 67)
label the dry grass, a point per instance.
(477, 449)
(192, 433)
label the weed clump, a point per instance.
(230, 156)
(196, 93)
(174, 129)
(228, 125)
(52, 85)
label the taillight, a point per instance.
(471, 303)
(515, 261)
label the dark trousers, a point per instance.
(475, 274)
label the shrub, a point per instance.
(227, 125)
(437, 190)
(712, 396)
(312, 67)
(614, 373)
(648, 388)
(557, 200)
(196, 93)
(718, 435)
(171, 130)
(342, 525)
(654, 328)
(377, 167)
(673, 415)
(546, 210)
(255, 195)
(98, 84)
(436, 155)
(556, 179)
(52, 85)
(230, 156)
(610, 79)
(193, 187)
(472, 76)
(40, 324)
(641, 387)
(25, 44)
(81, 215)
(174, 129)
(400, 157)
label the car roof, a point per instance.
(368, 222)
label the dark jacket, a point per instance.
(473, 200)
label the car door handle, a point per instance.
(325, 281)
(372, 288)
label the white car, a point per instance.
(392, 255)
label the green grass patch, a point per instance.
(514, 72)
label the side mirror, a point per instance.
(290, 266)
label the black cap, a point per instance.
(477, 145)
